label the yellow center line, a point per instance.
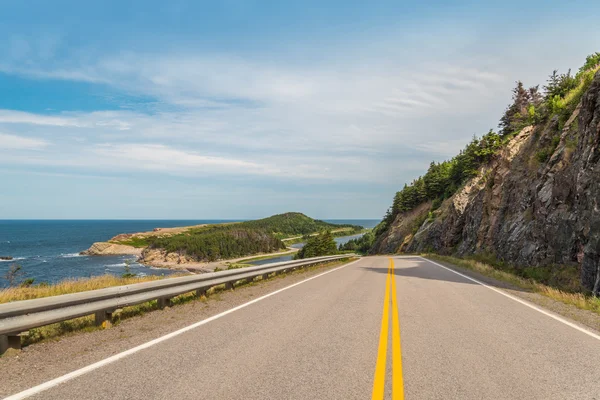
(380, 367)
(397, 378)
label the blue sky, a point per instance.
(240, 109)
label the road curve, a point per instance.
(321, 340)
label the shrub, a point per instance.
(27, 282)
(543, 155)
(591, 62)
(14, 274)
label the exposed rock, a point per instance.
(109, 249)
(160, 258)
(522, 211)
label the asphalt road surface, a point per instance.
(375, 328)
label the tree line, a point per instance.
(221, 243)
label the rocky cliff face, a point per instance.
(111, 249)
(523, 208)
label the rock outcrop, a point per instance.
(160, 258)
(519, 209)
(111, 249)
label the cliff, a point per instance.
(536, 203)
(109, 249)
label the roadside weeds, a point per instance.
(579, 300)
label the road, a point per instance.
(444, 337)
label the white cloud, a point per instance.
(161, 157)
(13, 142)
(19, 117)
(222, 114)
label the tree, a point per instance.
(516, 113)
(535, 97)
(559, 85)
(318, 245)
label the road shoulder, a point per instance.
(585, 318)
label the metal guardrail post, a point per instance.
(9, 342)
(103, 318)
(163, 302)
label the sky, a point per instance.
(244, 109)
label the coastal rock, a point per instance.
(160, 258)
(110, 249)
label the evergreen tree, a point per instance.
(318, 245)
(516, 114)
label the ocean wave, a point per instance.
(70, 255)
(157, 268)
(115, 265)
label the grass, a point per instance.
(237, 265)
(87, 323)
(135, 241)
(564, 107)
(565, 293)
(71, 286)
(265, 257)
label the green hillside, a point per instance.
(224, 241)
(294, 224)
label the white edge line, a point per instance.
(518, 300)
(71, 375)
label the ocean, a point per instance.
(48, 250)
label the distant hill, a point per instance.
(293, 224)
(226, 241)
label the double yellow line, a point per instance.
(380, 367)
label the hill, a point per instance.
(524, 198)
(169, 247)
(295, 224)
(225, 241)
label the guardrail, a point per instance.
(19, 316)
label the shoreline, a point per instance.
(135, 244)
(204, 267)
(116, 247)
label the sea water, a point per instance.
(48, 250)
